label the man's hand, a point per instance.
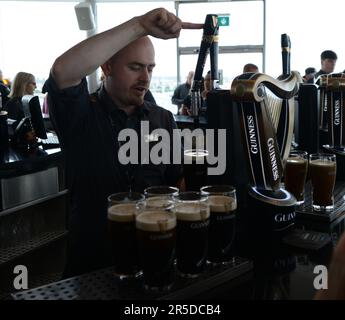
(163, 24)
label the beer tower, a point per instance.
(333, 86)
(272, 206)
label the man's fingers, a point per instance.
(189, 25)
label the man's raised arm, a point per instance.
(88, 55)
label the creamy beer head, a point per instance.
(323, 164)
(195, 155)
(222, 204)
(123, 212)
(296, 161)
(161, 202)
(194, 211)
(156, 221)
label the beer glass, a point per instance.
(323, 168)
(296, 169)
(156, 238)
(160, 191)
(122, 233)
(161, 202)
(223, 205)
(195, 168)
(192, 237)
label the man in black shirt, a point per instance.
(88, 126)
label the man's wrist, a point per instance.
(138, 27)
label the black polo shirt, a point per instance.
(88, 127)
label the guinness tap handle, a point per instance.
(209, 33)
(214, 51)
(286, 49)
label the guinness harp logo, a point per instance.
(258, 129)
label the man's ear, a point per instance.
(106, 68)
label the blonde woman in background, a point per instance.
(24, 83)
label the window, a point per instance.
(239, 43)
(34, 34)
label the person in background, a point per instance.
(88, 127)
(206, 87)
(182, 91)
(309, 75)
(24, 83)
(4, 91)
(250, 67)
(328, 62)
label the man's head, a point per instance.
(250, 67)
(207, 81)
(190, 77)
(309, 74)
(328, 61)
(128, 73)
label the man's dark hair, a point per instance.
(329, 54)
(310, 70)
(249, 67)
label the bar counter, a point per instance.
(265, 268)
(33, 213)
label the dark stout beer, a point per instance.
(156, 235)
(122, 233)
(222, 228)
(323, 175)
(195, 168)
(192, 237)
(295, 175)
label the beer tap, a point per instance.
(284, 128)
(209, 43)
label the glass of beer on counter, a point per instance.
(193, 218)
(195, 168)
(223, 206)
(161, 191)
(122, 233)
(323, 169)
(156, 237)
(296, 168)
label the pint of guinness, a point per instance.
(296, 169)
(122, 233)
(192, 237)
(156, 236)
(323, 169)
(223, 205)
(195, 168)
